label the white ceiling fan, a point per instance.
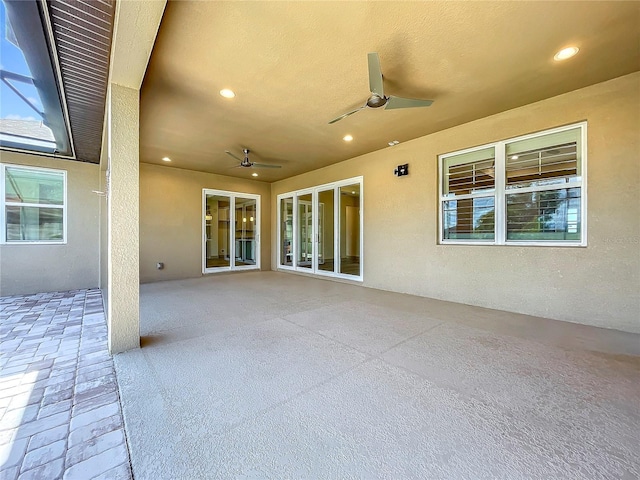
(378, 98)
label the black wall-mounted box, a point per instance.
(401, 170)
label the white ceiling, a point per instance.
(297, 65)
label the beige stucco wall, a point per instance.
(171, 219)
(123, 252)
(597, 285)
(26, 269)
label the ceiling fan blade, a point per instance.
(375, 75)
(232, 155)
(398, 102)
(263, 165)
(346, 115)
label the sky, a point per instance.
(12, 60)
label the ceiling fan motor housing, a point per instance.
(246, 162)
(378, 98)
(376, 101)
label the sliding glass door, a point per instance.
(285, 233)
(217, 231)
(326, 229)
(350, 230)
(245, 231)
(231, 231)
(325, 234)
(304, 231)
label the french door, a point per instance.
(230, 231)
(320, 230)
(305, 232)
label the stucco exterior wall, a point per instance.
(596, 285)
(123, 252)
(26, 269)
(171, 219)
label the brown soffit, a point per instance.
(82, 30)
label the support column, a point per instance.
(134, 32)
(123, 277)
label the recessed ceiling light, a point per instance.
(353, 192)
(393, 142)
(347, 138)
(226, 93)
(565, 53)
(166, 159)
(254, 174)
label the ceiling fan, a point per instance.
(246, 163)
(378, 98)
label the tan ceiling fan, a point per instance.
(378, 98)
(246, 163)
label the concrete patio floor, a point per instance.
(60, 415)
(273, 375)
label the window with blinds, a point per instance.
(541, 161)
(469, 186)
(528, 190)
(470, 173)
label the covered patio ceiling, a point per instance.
(294, 66)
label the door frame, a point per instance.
(232, 221)
(314, 191)
(296, 205)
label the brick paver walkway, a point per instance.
(60, 415)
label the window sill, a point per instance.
(513, 243)
(4, 244)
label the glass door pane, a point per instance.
(305, 232)
(325, 248)
(286, 231)
(217, 216)
(350, 229)
(245, 241)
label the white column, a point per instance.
(123, 277)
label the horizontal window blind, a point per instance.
(469, 173)
(542, 141)
(543, 160)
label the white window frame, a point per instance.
(336, 219)
(4, 204)
(500, 202)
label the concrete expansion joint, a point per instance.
(300, 394)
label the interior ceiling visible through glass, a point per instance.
(30, 118)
